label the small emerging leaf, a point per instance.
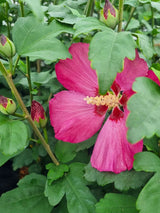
(56, 172)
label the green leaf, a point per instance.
(133, 3)
(87, 143)
(145, 45)
(107, 52)
(156, 69)
(131, 180)
(64, 151)
(102, 178)
(5, 158)
(55, 191)
(13, 135)
(32, 179)
(28, 197)
(85, 25)
(23, 159)
(155, 5)
(144, 107)
(36, 8)
(41, 78)
(38, 40)
(79, 197)
(123, 181)
(152, 144)
(148, 200)
(134, 23)
(117, 203)
(68, 11)
(55, 172)
(144, 1)
(73, 185)
(146, 161)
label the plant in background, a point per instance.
(102, 154)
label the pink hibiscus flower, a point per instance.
(77, 114)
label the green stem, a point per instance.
(15, 65)
(29, 78)
(21, 8)
(120, 17)
(89, 8)
(34, 140)
(9, 80)
(10, 65)
(45, 134)
(18, 115)
(130, 17)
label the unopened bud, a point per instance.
(7, 48)
(7, 105)
(38, 114)
(109, 15)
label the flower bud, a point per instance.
(109, 15)
(7, 105)
(7, 48)
(38, 114)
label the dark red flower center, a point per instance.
(114, 100)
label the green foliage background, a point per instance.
(42, 32)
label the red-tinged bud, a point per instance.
(38, 114)
(109, 15)
(7, 48)
(7, 105)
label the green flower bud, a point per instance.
(109, 15)
(7, 105)
(7, 48)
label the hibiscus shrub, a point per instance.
(80, 105)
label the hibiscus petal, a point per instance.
(153, 77)
(132, 69)
(112, 152)
(72, 118)
(76, 73)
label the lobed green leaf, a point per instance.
(38, 40)
(36, 8)
(107, 52)
(28, 197)
(13, 135)
(144, 106)
(146, 161)
(117, 203)
(148, 200)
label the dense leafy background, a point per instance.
(42, 32)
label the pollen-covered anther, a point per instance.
(110, 100)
